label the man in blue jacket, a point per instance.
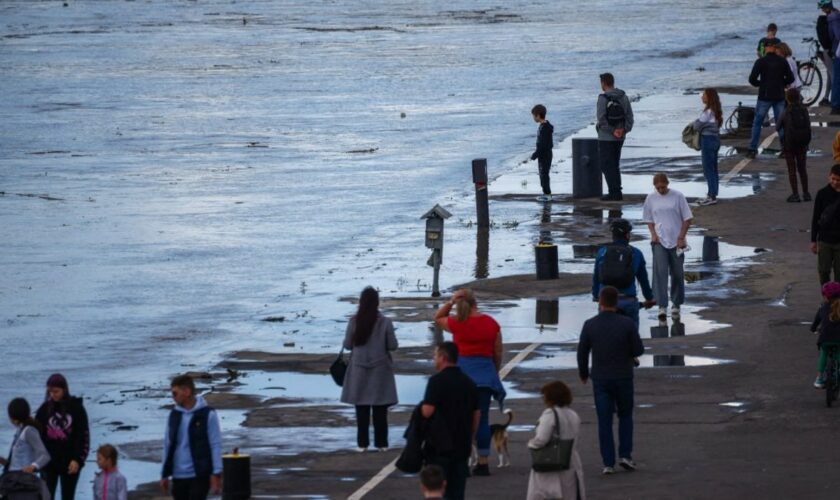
(614, 342)
(620, 264)
(192, 445)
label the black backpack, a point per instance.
(822, 32)
(797, 126)
(617, 266)
(616, 116)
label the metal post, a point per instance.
(482, 209)
(482, 252)
(586, 171)
(436, 264)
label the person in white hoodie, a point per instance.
(192, 445)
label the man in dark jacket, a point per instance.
(614, 342)
(452, 397)
(832, 22)
(610, 265)
(543, 153)
(771, 74)
(825, 227)
(824, 37)
(614, 120)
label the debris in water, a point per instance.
(275, 319)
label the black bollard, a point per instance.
(236, 476)
(482, 210)
(586, 171)
(710, 249)
(482, 252)
(547, 265)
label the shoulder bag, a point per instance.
(338, 368)
(691, 137)
(554, 456)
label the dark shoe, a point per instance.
(751, 153)
(825, 102)
(481, 470)
(794, 198)
(806, 197)
(607, 197)
(835, 111)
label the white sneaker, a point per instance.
(608, 470)
(675, 311)
(544, 198)
(361, 450)
(383, 449)
(627, 464)
(663, 311)
(701, 201)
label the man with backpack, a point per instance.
(825, 227)
(614, 121)
(771, 74)
(620, 265)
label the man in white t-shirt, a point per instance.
(668, 217)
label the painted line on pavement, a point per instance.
(743, 163)
(392, 466)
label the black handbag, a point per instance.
(554, 456)
(338, 369)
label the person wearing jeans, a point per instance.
(709, 127)
(614, 342)
(833, 22)
(668, 216)
(771, 74)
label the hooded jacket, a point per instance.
(64, 431)
(605, 130)
(110, 486)
(771, 74)
(545, 143)
(180, 453)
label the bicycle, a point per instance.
(832, 374)
(810, 74)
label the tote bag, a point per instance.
(554, 456)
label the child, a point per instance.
(109, 484)
(771, 35)
(784, 50)
(829, 326)
(543, 154)
(432, 482)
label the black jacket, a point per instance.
(825, 197)
(545, 142)
(614, 341)
(64, 431)
(771, 74)
(829, 330)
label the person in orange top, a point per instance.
(479, 340)
(835, 148)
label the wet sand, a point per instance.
(751, 425)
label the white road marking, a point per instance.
(391, 467)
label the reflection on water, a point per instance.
(545, 220)
(661, 331)
(710, 249)
(564, 356)
(547, 312)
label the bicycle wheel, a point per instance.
(812, 82)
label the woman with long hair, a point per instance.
(564, 483)
(369, 383)
(65, 432)
(28, 453)
(479, 340)
(708, 124)
(795, 134)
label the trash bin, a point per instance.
(586, 171)
(236, 476)
(746, 116)
(546, 257)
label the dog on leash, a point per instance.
(498, 441)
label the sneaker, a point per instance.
(701, 201)
(675, 311)
(819, 383)
(712, 201)
(751, 153)
(627, 463)
(382, 449)
(481, 470)
(794, 198)
(608, 471)
(361, 450)
(806, 197)
(663, 312)
(544, 198)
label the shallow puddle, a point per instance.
(565, 357)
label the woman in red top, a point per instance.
(479, 341)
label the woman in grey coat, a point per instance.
(369, 383)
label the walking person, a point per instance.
(833, 26)
(668, 216)
(708, 124)
(614, 120)
(796, 124)
(66, 434)
(620, 264)
(825, 228)
(771, 74)
(614, 342)
(451, 398)
(827, 324)
(369, 383)
(192, 445)
(825, 54)
(544, 152)
(565, 483)
(109, 483)
(479, 340)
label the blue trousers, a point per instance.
(482, 436)
(709, 147)
(761, 110)
(835, 83)
(614, 396)
(629, 306)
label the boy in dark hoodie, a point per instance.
(66, 435)
(543, 153)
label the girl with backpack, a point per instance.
(708, 125)
(795, 134)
